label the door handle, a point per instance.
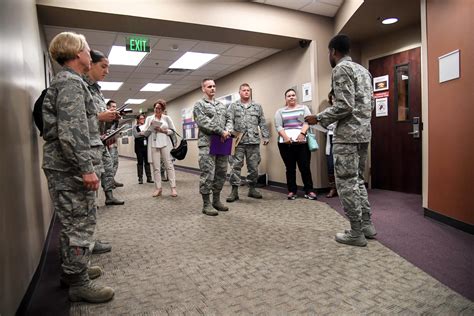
(416, 127)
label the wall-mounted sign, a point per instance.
(449, 66)
(381, 107)
(138, 44)
(307, 94)
(381, 83)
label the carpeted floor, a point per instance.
(270, 256)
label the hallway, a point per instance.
(269, 256)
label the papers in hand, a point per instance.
(291, 133)
(151, 127)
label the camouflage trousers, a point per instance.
(349, 167)
(115, 159)
(213, 171)
(251, 154)
(107, 177)
(76, 209)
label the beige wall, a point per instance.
(25, 212)
(269, 79)
(451, 113)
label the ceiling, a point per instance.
(167, 46)
(237, 49)
(366, 24)
(321, 7)
(154, 67)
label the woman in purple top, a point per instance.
(291, 128)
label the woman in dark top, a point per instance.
(141, 150)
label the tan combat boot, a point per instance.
(90, 292)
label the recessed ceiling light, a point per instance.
(109, 85)
(135, 101)
(389, 20)
(155, 87)
(191, 60)
(120, 56)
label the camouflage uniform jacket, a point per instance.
(353, 103)
(70, 125)
(247, 120)
(211, 117)
(98, 98)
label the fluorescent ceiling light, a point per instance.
(135, 101)
(191, 60)
(120, 56)
(109, 85)
(389, 20)
(155, 87)
(106, 100)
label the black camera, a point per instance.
(126, 111)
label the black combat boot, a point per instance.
(111, 200)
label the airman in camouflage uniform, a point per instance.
(112, 143)
(246, 117)
(99, 69)
(210, 116)
(352, 110)
(72, 163)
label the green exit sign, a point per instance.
(138, 44)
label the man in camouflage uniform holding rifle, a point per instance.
(210, 116)
(246, 117)
(72, 163)
(352, 110)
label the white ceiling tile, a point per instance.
(293, 4)
(138, 75)
(180, 44)
(117, 76)
(99, 37)
(248, 61)
(267, 52)
(321, 9)
(164, 54)
(243, 51)
(213, 66)
(142, 81)
(150, 70)
(147, 62)
(205, 73)
(121, 68)
(228, 60)
(211, 47)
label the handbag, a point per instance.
(181, 150)
(312, 142)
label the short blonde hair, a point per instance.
(66, 45)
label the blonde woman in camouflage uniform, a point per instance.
(72, 164)
(210, 116)
(352, 110)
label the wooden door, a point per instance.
(396, 149)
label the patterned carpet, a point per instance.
(269, 257)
